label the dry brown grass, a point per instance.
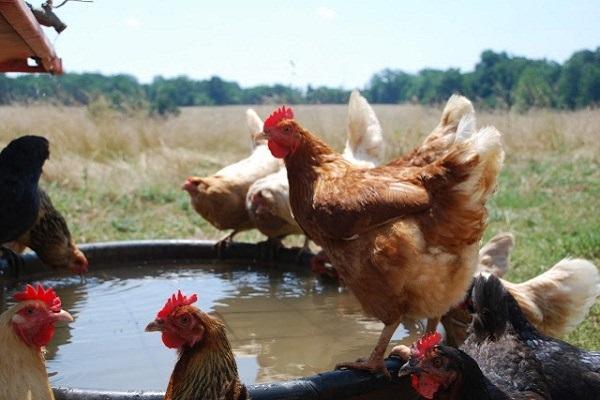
(122, 153)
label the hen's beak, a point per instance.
(81, 264)
(260, 136)
(189, 185)
(408, 369)
(62, 315)
(154, 326)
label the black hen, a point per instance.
(20, 169)
(493, 370)
(570, 372)
(50, 238)
(451, 374)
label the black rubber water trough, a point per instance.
(328, 385)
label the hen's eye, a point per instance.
(184, 320)
(287, 130)
(30, 311)
(437, 362)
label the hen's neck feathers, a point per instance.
(517, 319)
(312, 153)
(311, 159)
(472, 384)
(207, 370)
(22, 368)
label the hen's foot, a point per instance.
(372, 366)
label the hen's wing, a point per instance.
(364, 199)
(19, 204)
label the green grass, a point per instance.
(118, 178)
(551, 203)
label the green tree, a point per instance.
(390, 86)
(533, 90)
(578, 85)
(325, 95)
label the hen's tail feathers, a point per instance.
(255, 125)
(467, 127)
(494, 256)
(456, 108)
(559, 299)
(484, 149)
(364, 136)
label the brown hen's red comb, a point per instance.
(48, 296)
(426, 343)
(277, 116)
(176, 300)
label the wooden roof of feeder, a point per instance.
(22, 38)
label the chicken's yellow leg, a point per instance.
(375, 363)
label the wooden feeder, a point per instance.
(23, 45)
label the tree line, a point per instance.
(499, 80)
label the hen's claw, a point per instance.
(374, 367)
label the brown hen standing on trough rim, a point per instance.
(206, 367)
(403, 238)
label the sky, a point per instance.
(333, 43)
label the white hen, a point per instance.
(221, 198)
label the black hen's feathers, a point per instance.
(571, 373)
(492, 342)
(21, 165)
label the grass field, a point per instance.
(118, 177)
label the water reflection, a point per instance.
(282, 324)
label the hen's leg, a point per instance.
(375, 363)
(304, 251)
(269, 248)
(222, 244)
(432, 324)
